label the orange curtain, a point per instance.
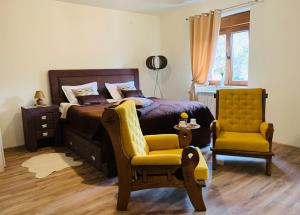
(204, 31)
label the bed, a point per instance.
(82, 130)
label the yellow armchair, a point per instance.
(153, 161)
(240, 128)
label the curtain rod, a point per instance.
(249, 3)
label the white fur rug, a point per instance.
(45, 164)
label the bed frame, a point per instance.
(96, 152)
(90, 150)
(59, 78)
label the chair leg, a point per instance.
(214, 161)
(269, 165)
(123, 197)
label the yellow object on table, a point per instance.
(184, 115)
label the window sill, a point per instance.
(211, 89)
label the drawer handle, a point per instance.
(44, 126)
(44, 117)
(45, 134)
(93, 157)
(71, 143)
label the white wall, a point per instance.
(274, 58)
(39, 35)
(274, 64)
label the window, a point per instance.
(232, 51)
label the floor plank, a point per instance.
(238, 186)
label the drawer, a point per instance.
(45, 134)
(85, 149)
(44, 117)
(69, 140)
(92, 155)
(40, 125)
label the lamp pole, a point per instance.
(157, 85)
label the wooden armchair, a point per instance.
(153, 161)
(240, 128)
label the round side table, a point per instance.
(198, 132)
(189, 127)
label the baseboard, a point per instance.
(286, 144)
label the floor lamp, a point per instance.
(157, 63)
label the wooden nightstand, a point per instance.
(40, 123)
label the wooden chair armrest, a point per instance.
(190, 156)
(215, 129)
(267, 130)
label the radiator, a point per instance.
(207, 98)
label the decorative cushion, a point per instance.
(140, 102)
(242, 141)
(126, 86)
(201, 170)
(116, 88)
(132, 93)
(132, 137)
(240, 110)
(86, 91)
(92, 99)
(70, 95)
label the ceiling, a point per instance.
(141, 6)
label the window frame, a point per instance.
(228, 31)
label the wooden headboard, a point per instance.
(59, 78)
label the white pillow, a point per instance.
(70, 95)
(115, 88)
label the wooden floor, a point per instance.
(239, 186)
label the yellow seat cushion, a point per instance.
(201, 171)
(156, 159)
(242, 141)
(167, 152)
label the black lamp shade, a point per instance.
(156, 62)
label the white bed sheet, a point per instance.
(63, 109)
